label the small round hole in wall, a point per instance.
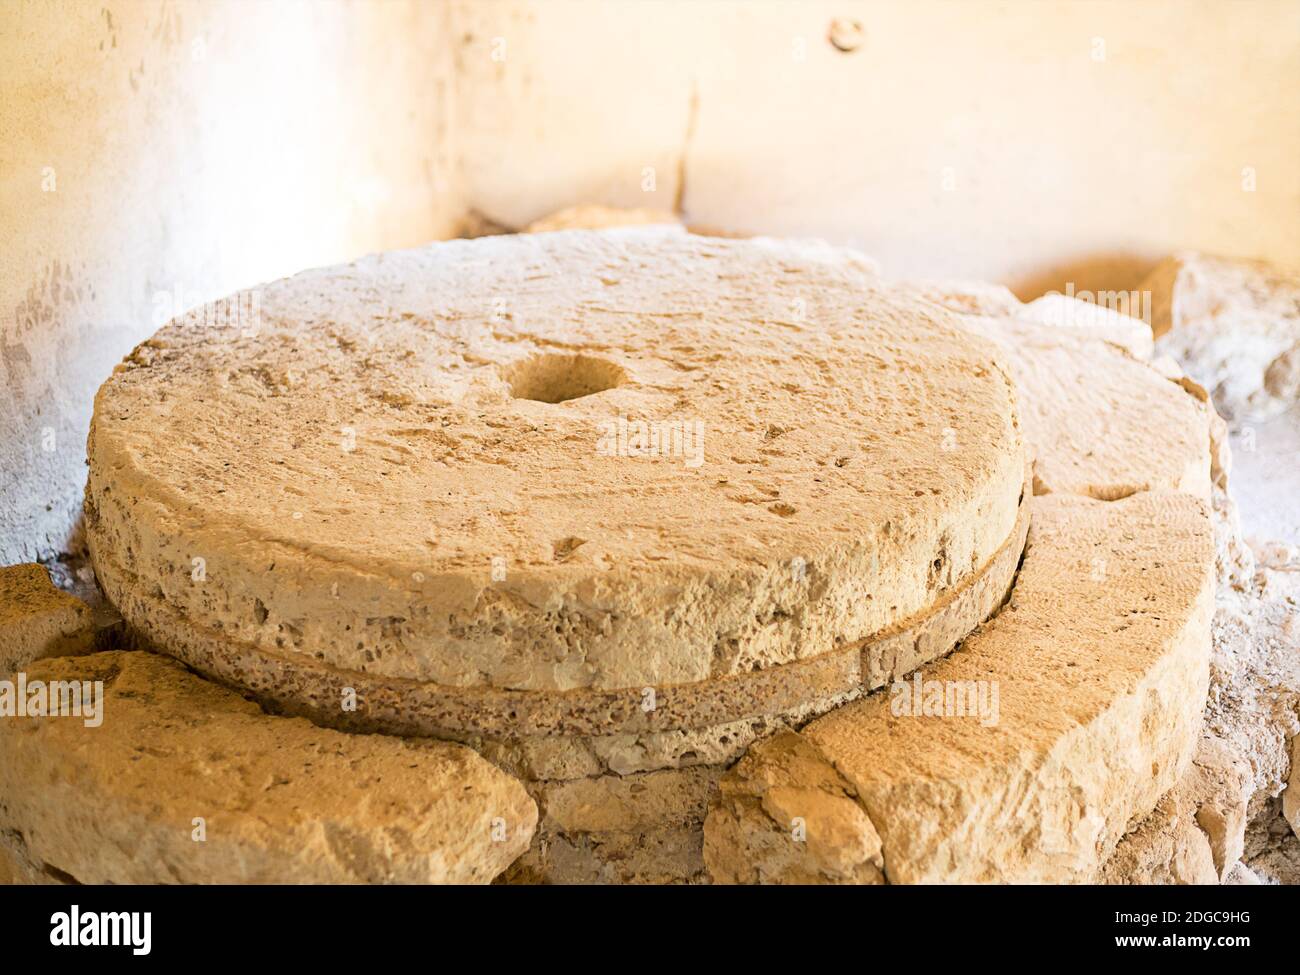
(845, 35)
(558, 378)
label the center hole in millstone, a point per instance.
(556, 378)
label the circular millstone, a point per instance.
(579, 461)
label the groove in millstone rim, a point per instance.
(307, 688)
(872, 440)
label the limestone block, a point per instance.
(1235, 326)
(644, 828)
(1098, 422)
(187, 782)
(1088, 319)
(1196, 834)
(968, 297)
(1291, 794)
(1219, 784)
(1166, 847)
(17, 868)
(37, 620)
(1098, 670)
(459, 508)
(794, 819)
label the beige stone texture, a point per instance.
(651, 857)
(281, 801)
(538, 757)
(643, 828)
(1273, 849)
(797, 820)
(621, 803)
(420, 442)
(1235, 326)
(1196, 833)
(1166, 847)
(1252, 714)
(1252, 708)
(1089, 319)
(1242, 876)
(1219, 784)
(1291, 794)
(37, 620)
(17, 868)
(1099, 422)
(1100, 663)
(968, 297)
(563, 757)
(531, 729)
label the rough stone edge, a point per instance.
(313, 690)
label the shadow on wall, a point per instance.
(1115, 271)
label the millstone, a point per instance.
(488, 483)
(1082, 705)
(183, 781)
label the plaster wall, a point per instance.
(154, 155)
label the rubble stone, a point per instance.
(37, 620)
(1102, 651)
(186, 782)
(1235, 326)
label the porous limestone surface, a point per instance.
(187, 782)
(1291, 794)
(413, 466)
(537, 757)
(1099, 422)
(17, 868)
(650, 857)
(1235, 326)
(37, 620)
(1226, 808)
(1273, 848)
(1077, 318)
(1099, 664)
(797, 819)
(1166, 847)
(966, 297)
(643, 828)
(1252, 714)
(548, 727)
(565, 757)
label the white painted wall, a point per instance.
(157, 154)
(1025, 141)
